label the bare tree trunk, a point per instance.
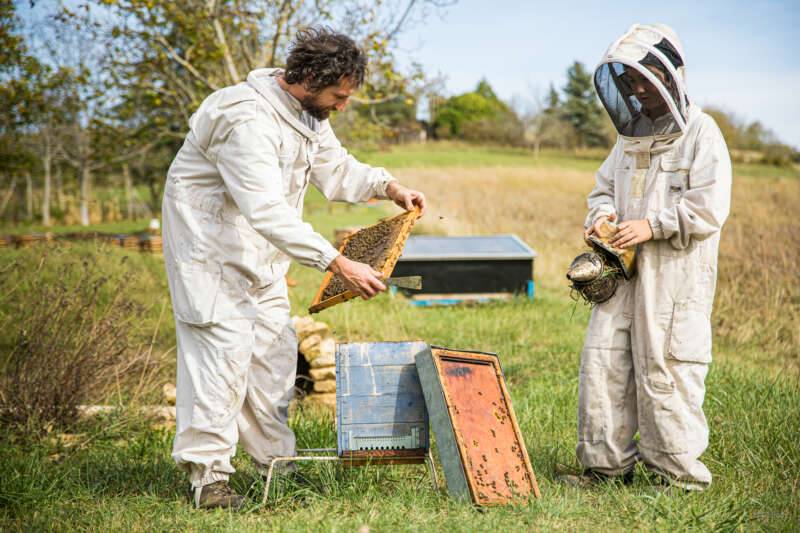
(233, 74)
(8, 195)
(126, 176)
(28, 196)
(536, 145)
(154, 205)
(46, 163)
(286, 11)
(86, 191)
(60, 189)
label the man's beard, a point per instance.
(310, 106)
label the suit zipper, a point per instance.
(306, 177)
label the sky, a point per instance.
(741, 56)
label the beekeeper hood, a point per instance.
(641, 82)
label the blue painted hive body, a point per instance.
(380, 407)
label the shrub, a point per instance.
(71, 336)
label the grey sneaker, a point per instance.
(217, 495)
(590, 478)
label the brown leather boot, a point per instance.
(217, 495)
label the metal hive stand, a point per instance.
(316, 454)
(380, 410)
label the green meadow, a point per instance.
(115, 473)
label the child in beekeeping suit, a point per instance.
(667, 186)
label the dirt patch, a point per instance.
(370, 245)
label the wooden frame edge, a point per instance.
(517, 430)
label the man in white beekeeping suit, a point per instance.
(232, 222)
(667, 186)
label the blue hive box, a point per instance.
(380, 407)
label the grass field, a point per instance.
(116, 473)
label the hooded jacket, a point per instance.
(233, 201)
(692, 155)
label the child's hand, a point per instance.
(595, 228)
(632, 232)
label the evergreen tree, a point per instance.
(553, 101)
(581, 108)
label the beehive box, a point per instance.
(468, 264)
(380, 408)
(481, 449)
(379, 245)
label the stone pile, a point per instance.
(25, 241)
(130, 242)
(152, 244)
(318, 347)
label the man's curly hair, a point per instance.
(319, 58)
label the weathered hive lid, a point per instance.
(480, 443)
(466, 248)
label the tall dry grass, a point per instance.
(545, 207)
(758, 297)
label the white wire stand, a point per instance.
(330, 454)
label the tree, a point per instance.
(50, 108)
(752, 142)
(17, 67)
(73, 123)
(165, 56)
(728, 125)
(394, 119)
(553, 100)
(582, 109)
(478, 116)
(542, 122)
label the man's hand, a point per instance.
(632, 232)
(595, 228)
(358, 277)
(406, 198)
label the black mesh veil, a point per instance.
(638, 88)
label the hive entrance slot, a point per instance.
(404, 442)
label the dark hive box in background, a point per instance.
(460, 265)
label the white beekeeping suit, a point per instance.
(647, 349)
(232, 222)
